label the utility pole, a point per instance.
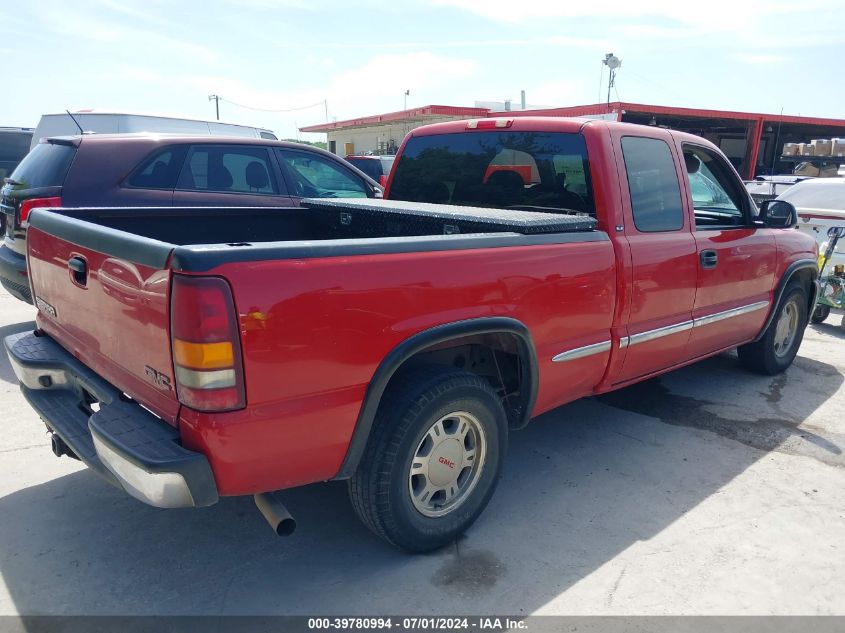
(216, 99)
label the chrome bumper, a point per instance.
(120, 440)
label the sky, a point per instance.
(334, 60)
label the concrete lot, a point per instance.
(709, 490)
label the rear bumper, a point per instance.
(117, 438)
(13, 274)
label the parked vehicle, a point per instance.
(764, 188)
(376, 167)
(820, 203)
(163, 170)
(192, 353)
(63, 124)
(14, 144)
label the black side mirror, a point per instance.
(778, 214)
(836, 231)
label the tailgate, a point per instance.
(104, 297)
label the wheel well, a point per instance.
(806, 276)
(496, 357)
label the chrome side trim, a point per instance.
(650, 335)
(624, 342)
(581, 352)
(727, 314)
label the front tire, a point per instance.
(433, 460)
(820, 313)
(776, 349)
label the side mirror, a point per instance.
(778, 214)
(836, 231)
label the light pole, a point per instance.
(613, 63)
(407, 92)
(216, 99)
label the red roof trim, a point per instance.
(429, 110)
(573, 111)
(615, 106)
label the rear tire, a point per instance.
(776, 349)
(433, 460)
(820, 313)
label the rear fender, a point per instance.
(421, 342)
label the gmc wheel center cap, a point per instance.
(445, 462)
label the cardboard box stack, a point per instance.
(805, 149)
(790, 149)
(821, 147)
(837, 146)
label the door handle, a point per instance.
(78, 270)
(709, 259)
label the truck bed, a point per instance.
(198, 238)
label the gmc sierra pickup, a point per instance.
(189, 353)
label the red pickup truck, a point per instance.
(185, 354)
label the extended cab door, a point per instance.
(664, 259)
(736, 259)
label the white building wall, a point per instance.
(368, 139)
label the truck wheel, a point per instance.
(775, 351)
(820, 313)
(433, 460)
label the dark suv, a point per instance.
(127, 170)
(376, 167)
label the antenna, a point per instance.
(613, 63)
(73, 118)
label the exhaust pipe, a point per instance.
(276, 513)
(60, 448)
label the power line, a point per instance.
(240, 105)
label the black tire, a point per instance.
(820, 314)
(765, 356)
(380, 489)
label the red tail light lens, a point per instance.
(382, 180)
(35, 203)
(206, 344)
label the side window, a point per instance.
(715, 193)
(653, 183)
(229, 168)
(313, 176)
(160, 170)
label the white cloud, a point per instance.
(761, 59)
(718, 12)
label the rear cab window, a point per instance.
(653, 185)
(536, 171)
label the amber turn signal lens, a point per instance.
(203, 355)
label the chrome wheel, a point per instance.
(786, 329)
(447, 464)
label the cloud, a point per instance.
(738, 11)
(83, 25)
(761, 59)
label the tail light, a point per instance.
(382, 180)
(35, 203)
(206, 344)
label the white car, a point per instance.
(820, 203)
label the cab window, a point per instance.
(653, 185)
(715, 194)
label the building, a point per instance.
(753, 142)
